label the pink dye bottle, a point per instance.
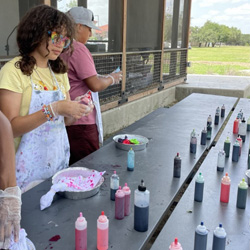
(119, 204)
(175, 245)
(102, 232)
(127, 205)
(81, 233)
(225, 188)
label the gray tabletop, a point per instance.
(188, 213)
(168, 131)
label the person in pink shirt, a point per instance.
(86, 134)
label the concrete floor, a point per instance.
(236, 86)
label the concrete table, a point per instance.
(189, 213)
(168, 131)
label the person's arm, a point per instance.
(100, 82)
(10, 103)
(10, 193)
(7, 154)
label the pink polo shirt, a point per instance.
(81, 66)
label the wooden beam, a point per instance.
(124, 45)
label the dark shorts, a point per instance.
(83, 140)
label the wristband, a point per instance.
(54, 115)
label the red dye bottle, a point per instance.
(81, 233)
(236, 126)
(102, 232)
(127, 206)
(225, 188)
(119, 204)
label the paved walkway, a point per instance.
(237, 86)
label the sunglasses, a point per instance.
(58, 39)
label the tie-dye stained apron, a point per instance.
(45, 150)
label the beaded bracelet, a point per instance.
(47, 113)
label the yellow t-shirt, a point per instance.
(12, 78)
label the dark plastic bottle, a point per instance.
(219, 239)
(177, 166)
(200, 238)
(242, 194)
(240, 142)
(114, 185)
(209, 120)
(193, 142)
(248, 124)
(227, 144)
(204, 136)
(141, 208)
(236, 151)
(199, 187)
(217, 116)
(209, 131)
(223, 109)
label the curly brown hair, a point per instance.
(33, 29)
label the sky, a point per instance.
(232, 13)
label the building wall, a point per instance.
(9, 18)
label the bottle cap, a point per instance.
(220, 231)
(126, 189)
(227, 140)
(243, 184)
(102, 218)
(226, 179)
(119, 192)
(175, 245)
(200, 178)
(201, 229)
(114, 171)
(141, 187)
(243, 120)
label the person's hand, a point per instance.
(70, 109)
(117, 76)
(10, 215)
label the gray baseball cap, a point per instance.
(83, 16)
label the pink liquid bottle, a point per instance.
(175, 245)
(240, 142)
(102, 232)
(236, 126)
(127, 206)
(81, 233)
(225, 188)
(119, 204)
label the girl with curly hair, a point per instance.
(34, 95)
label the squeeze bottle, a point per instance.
(200, 238)
(219, 239)
(177, 166)
(223, 109)
(127, 192)
(209, 120)
(248, 124)
(175, 245)
(141, 208)
(217, 116)
(227, 144)
(243, 129)
(114, 185)
(102, 232)
(209, 131)
(221, 161)
(240, 142)
(225, 188)
(236, 126)
(242, 194)
(81, 233)
(236, 151)
(193, 142)
(119, 204)
(203, 136)
(199, 187)
(131, 160)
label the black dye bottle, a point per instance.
(199, 187)
(242, 194)
(177, 166)
(204, 136)
(200, 238)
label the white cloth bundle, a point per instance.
(23, 243)
(71, 184)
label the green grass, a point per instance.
(225, 60)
